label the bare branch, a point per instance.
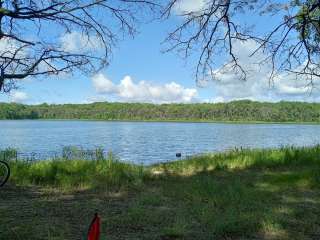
(33, 48)
(211, 32)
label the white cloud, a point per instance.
(6, 46)
(184, 6)
(77, 42)
(102, 84)
(143, 91)
(257, 86)
(9, 47)
(18, 97)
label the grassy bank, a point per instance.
(241, 194)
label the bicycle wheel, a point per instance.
(4, 173)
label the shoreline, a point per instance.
(167, 121)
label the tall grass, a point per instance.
(8, 154)
(243, 159)
(65, 173)
(238, 194)
(73, 152)
(109, 172)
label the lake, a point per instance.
(149, 142)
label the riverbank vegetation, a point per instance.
(240, 194)
(238, 111)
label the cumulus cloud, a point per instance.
(285, 86)
(77, 42)
(184, 6)
(18, 97)
(103, 85)
(143, 91)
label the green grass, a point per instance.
(240, 194)
(77, 174)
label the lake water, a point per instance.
(150, 142)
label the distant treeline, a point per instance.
(245, 111)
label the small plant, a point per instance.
(8, 154)
(76, 153)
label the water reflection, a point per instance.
(150, 142)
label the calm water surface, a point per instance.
(149, 142)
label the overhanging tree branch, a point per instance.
(210, 33)
(32, 35)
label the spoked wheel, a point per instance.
(4, 173)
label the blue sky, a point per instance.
(140, 58)
(139, 72)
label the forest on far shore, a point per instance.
(240, 111)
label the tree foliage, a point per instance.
(245, 110)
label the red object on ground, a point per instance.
(94, 229)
